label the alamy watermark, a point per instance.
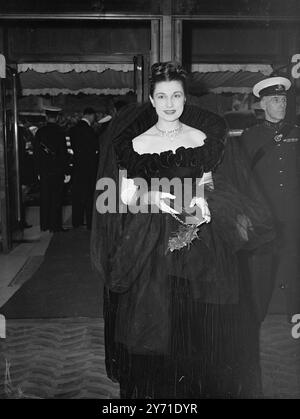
(296, 327)
(184, 190)
(2, 327)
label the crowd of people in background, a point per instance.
(58, 163)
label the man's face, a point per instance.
(274, 107)
(52, 119)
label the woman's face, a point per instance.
(168, 100)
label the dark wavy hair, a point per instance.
(167, 71)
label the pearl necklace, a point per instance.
(172, 134)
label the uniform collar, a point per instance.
(274, 125)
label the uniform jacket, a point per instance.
(84, 143)
(50, 150)
(278, 175)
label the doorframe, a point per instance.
(6, 233)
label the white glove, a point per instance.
(157, 198)
(203, 205)
(128, 196)
(128, 191)
(67, 178)
(207, 179)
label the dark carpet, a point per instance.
(65, 285)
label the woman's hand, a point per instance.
(203, 205)
(157, 198)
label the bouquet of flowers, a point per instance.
(186, 233)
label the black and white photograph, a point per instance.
(149, 202)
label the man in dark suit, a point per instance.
(274, 151)
(50, 155)
(85, 145)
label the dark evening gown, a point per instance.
(179, 324)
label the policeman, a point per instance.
(274, 151)
(50, 155)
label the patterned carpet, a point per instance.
(280, 359)
(64, 358)
(56, 359)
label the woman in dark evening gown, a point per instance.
(178, 324)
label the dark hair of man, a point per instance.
(89, 111)
(167, 71)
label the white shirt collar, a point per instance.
(86, 120)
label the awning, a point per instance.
(99, 79)
(77, 67)
(88, 82)
(265, 69)
(223, 82)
